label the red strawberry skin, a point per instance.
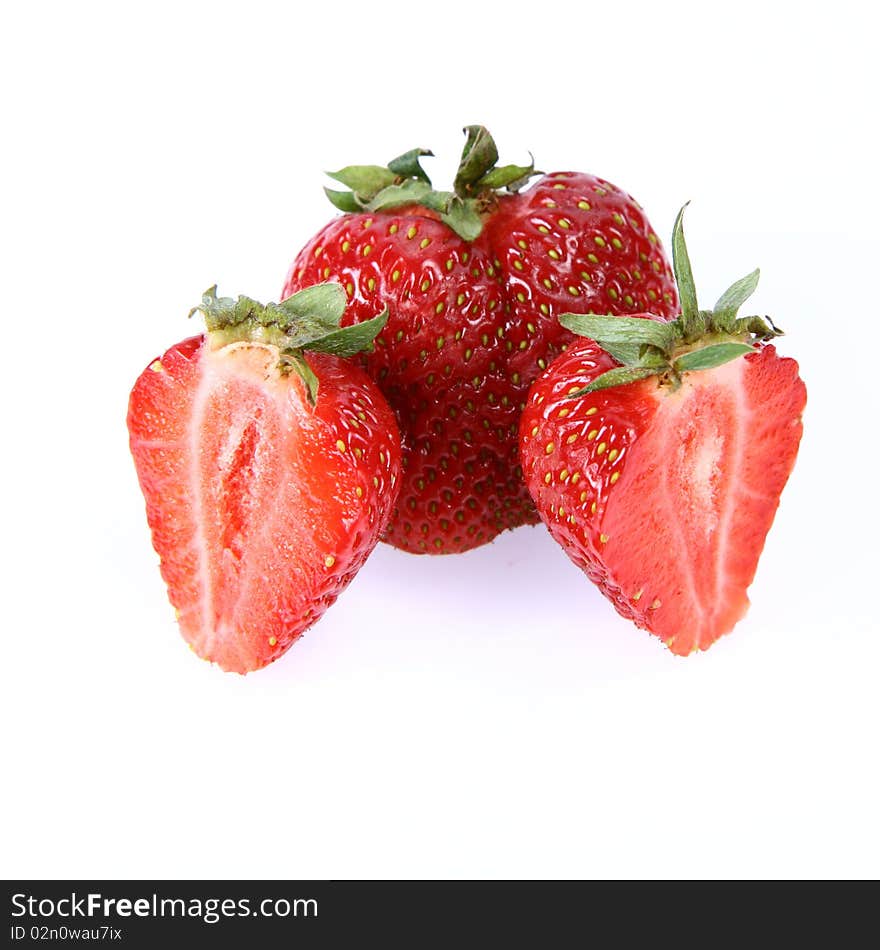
(574, 243)
(441, 363)
(472, 324)
(664, 498)
(262, 507)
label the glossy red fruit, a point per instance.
(474, 282)
(574, 243)
(440, 363)
(660, 472)
(262, 502)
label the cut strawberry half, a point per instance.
(706, 476)
(269, 473)
(658, 454)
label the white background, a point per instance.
(482, 715)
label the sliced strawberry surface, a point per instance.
(262, 506)
(707, 474)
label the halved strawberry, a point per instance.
(269, 466)
(660, 471)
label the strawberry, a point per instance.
(658, 465)
(269, 465)
(474, 281)
(574, 243)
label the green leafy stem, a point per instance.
(308, 320)
(695, 340)
(403, 182)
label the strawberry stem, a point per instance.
(684, 278)
(696, 340)
(735, 296)
(404, 182)
(409, 166)
(309, 320)
(479, 155)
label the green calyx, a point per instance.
(695, 340)
(404, 182)
(309, 320)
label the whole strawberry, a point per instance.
(269, 465)
(657, 456)
(474, 281)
